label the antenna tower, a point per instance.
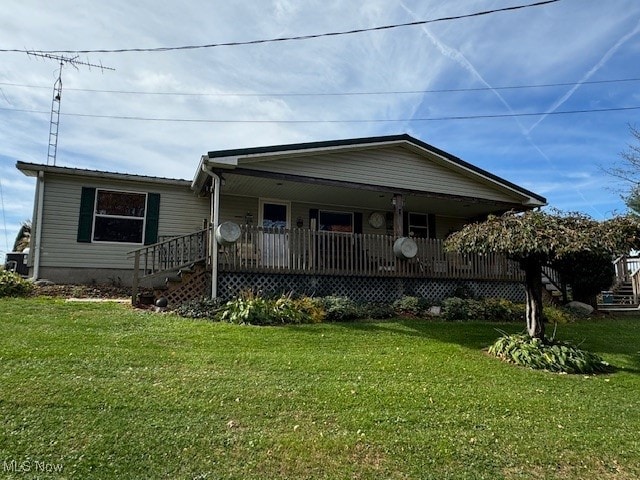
(54, 122)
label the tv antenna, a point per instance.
(54, 123)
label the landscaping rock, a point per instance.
(162, 302)
(579, 307)
(43, 283)
(435, 311)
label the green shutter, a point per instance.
(431, 222)
(85, 221)
(357, 222)
(153, 216)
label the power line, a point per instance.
(380, 120)
(336, 94)
(299, 37)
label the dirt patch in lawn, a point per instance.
(82, 291)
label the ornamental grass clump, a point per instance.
(548, 354)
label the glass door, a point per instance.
(274, 241)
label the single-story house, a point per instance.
(362, 217)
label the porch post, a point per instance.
(134, 282)
(398, 204)
(215, 214)
(37, 224)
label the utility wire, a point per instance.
(379, 120)
(293, 38)
(334, 94)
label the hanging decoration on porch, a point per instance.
(228, 233)
(405, 247)
(376, 220)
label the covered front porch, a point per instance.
(339, 209)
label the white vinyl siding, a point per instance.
(181, 212)
(236, 208)
(393, 167)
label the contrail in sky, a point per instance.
(459, 58)
(605, 58)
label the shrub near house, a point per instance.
(13, 285)
(256, 310)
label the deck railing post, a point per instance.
(134, 282)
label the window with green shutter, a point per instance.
(118, 216)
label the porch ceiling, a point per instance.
(352, 196)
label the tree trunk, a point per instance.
(533, 284)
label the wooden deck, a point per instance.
(305, 252)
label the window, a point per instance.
(119, 216)
(335, 221)
(418, 225)
(275, 215)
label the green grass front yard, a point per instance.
(108, 392)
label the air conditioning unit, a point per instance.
(17, 262)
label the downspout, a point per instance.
(215, 218)
(37, 224)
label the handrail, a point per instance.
(168, 255)
(556, 280)
(635, 283)
(624, 267)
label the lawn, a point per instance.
(103, 391)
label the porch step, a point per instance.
(188, 283)
(621, 298)
(553, 291)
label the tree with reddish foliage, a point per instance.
(535, 238)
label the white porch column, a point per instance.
(37, 225)
(215, 219)
(398, 211)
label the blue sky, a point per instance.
(573, 42)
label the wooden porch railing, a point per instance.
(628, 270)
(333, 253)
(168, 255)
(625, 266)
(304, 251)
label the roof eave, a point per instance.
(32, 169)
(231, 158)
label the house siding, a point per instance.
(181, 212)
(385, 167)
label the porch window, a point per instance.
(418, 225)
(335, 221)
(118, 216)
